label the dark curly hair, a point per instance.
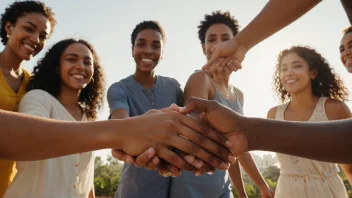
(21, 8)
(46, 77)
(327, 83)
(216, 18)
(153, 25)
(347, 30)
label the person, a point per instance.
(309, 91)
(216, 28)
(24, 28)
(140, 92)
(67, 84)
(346, 49)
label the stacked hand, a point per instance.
(226, 56)
(219, 117)
(167, 130)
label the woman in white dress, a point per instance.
(312, 92)
(67, 84)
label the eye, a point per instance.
(225, 39)
(283, 69)
(71, 60)
(87, 63)
(28, 29)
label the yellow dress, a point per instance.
(9, 101)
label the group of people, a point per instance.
(67, 85)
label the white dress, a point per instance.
(305, 178)
(62, 177)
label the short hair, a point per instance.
(153, 25)
(217, 17)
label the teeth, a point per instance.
(291, 81)
(28, 47)
(147, 60)
(78, 76)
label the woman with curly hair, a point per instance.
(24, 28)
(67, 84)
(314, 93)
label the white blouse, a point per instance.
(62, 177)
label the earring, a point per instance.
(7, 35)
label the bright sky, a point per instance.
(108, 24)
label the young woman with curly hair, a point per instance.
(24, 28)
(67, 84)
(314, 93)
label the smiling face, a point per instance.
(295, 73)
(215, 35)
(28, 36)
(346, 51)
(76, 67)
(147, 50)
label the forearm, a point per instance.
(236, 178)
(250, 167)
(276, 15)
(325, 141)
(347, 169)
(24, 137)
(347, 5)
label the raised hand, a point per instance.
(228, 53)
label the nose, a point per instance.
(148, 50)
(80, 65)
(35, 38)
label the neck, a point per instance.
(303, 100)
(69, 98)
(223, 82)
(9, 60)
(146, 79)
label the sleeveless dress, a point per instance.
(305, 178)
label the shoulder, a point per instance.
(239, 93)
(39, 94)
(37, 102)
(272, 112)
(199, 77)
(168, 80)
(336, 109)
(119, 86)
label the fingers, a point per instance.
(173, 107)
(166, 169)
(214, 58)
(198, 104)
(233, 64)
(122, 156)
(200, 134)
(174, 159)
(192, 148)
(190, 159)
(146, 158)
